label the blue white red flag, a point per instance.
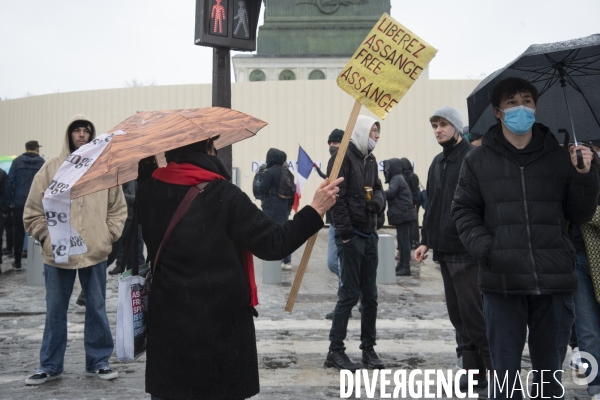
(305, 167)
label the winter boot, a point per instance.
(402, 270)
(338, 359)
(370, 358)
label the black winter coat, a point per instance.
(201, 338)
(411, 178)
(439, 231)
(399, 197)
(512, 218)
(350, 211)
(278, 208)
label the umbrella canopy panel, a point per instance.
(542, 65)
(153, 133)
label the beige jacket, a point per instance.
(99, 217)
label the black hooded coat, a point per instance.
(398, 195)
(411, 178)
(276, 207)
(512, 218)
(201, 337)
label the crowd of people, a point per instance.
(510, 216)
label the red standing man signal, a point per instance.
(218, 14)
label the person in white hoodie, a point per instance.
(99, 218)
(354, 217)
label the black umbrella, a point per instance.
(567, 76)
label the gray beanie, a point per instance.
(451, 115)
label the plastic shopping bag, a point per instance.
(132, 314)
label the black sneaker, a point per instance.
(338, 359)
(16, 264)
(7, 252)
(80, 299)
(105, 373)
(24, 254)
(370, 358)
(402, 271)
(41, 377)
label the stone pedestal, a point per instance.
(386, 268)
(35, 263)
(271, 272)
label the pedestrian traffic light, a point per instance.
(227, 23)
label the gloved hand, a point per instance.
(372, 206)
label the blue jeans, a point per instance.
(587, 310)
(98, 339)
(549, 319)
(333, 262)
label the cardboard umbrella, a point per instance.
(152, 133)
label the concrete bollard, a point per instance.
(271, 272)
(35, 263)
(386, 268)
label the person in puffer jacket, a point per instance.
(515, 193)
(354, 218)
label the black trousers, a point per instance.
(549, 318)
(463, 299)
(403, 238)
(358, 264)
(18, 231)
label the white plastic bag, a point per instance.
(132, 314)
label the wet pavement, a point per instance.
(413, 332)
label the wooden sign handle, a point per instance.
(335, 170)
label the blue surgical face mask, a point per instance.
(519, 120)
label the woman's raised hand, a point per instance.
(326, 195)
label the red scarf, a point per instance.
(191, 175)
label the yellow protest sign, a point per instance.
(385, 66)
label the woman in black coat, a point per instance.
(201, 339)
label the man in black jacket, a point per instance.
(355, 221)
(458, 267)
(276, 208)
(514, 195)
(18, 184)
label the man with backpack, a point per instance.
(18, 184)
(277, 189)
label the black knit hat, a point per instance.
(335, 136)
(81, 124)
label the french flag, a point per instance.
(305, 167)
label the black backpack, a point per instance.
(287, 187)
(258, 177)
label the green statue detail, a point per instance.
(331, 6)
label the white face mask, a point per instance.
(372, 144)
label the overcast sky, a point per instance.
(68, 45)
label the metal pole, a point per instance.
(221, 93)
(580, 164)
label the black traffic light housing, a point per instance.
(227, 23)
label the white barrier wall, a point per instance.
(298, 112)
